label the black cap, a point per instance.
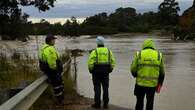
(49, 37)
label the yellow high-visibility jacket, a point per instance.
(148, 66)
(101, 55)
(49, 55)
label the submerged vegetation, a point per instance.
(19, 67)
(18, 70)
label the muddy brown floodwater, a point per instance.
(178, 92)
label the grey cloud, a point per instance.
(83, 10)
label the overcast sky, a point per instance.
(84, 8)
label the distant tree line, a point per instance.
(122, 20)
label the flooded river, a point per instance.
(178, 92)
(179, 85)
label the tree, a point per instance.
(71, 27)
(74, 27)
(13, 20)
(186, 26)
(100, 19)
(193, 4)
(67, 27)
(122, 18)
(6, 6)
(150, 18)
(168, 12)
(42, 28)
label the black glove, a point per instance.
(134, 75)
(59, 66)
(90, 71)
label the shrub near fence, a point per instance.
(16, 69)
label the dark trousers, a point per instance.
(56, 81)
(140, 93)
(98, 82)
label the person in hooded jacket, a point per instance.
(148, 69)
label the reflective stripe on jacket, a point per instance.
(148, 66)
(149, 61)
(101, 55)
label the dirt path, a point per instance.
(88, 107)
(111, 107)
(82, 103)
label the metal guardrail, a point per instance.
(25, 98)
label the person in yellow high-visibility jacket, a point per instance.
(148, 69)
(101, 62)
(50, 64)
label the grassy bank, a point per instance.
(19, 70)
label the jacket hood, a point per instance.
(148, 43)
